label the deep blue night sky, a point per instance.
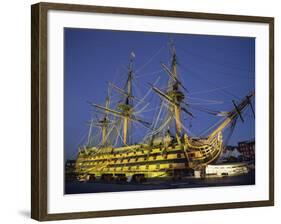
(94, 57)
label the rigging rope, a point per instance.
(186, 129)
(205, 110)
(142, 109)
(233, 124)
(214, 125)
(148, 92)
(200, 77)
(155, 122)
(210, 101)
(210, 60)
(208, 91)
(148, 74)
(150, 60)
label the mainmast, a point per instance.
(125, 109)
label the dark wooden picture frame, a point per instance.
(39, 147)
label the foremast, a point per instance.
(174, 95)
(126, 107)
(174, 92)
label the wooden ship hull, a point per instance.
(141, 162)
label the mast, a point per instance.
(104, 125)
(125, 109)
(127, 106)
(173, 95)
(175, 91)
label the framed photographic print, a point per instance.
(139, 111)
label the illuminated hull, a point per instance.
(142, 161)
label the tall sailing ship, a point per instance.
(167, 150)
